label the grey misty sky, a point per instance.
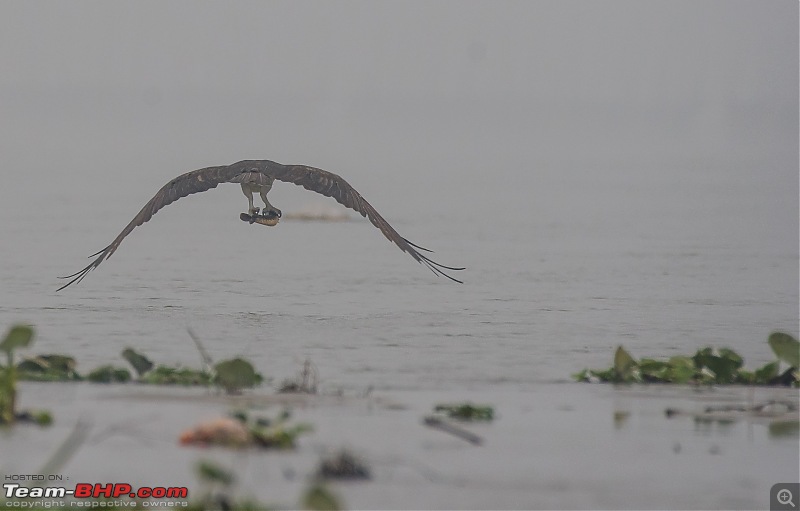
(560, 50)
(542, 91)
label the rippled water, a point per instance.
(561, 269)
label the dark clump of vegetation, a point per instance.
(19, 336)
(218, 489)
(50, 367)
(466, 411)
(217, 493)
(109, 374)
(141, 364)
(343, 465)
(707, 366)
(275, 433)
(167, 375)
(305, 382)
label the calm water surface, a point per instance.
(560, 271)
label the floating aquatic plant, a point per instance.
(707, 366)
(18, 336)
(466, 411)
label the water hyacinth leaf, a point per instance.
(319, 498)
(61, 363)
(48, 368)
(723, 369)
(609, 375)
(707, 366)
(19, 336)
(786, 348)
(732, 357)
(623, 364)
(746, 377)
(33, 365)
(211, 472)
(581, 376)
(109, 374)
(654, 370)
(682, 369)
(140, 363)
(236, 374)
(701, 355)
(766, 373)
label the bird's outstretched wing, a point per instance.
(186, 184)
(262, 172)
(332, 185)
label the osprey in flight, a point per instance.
(258, 176)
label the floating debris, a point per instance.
(239, 430)
(223, 431)
(305, 382)
(442, 424)
(772, 409)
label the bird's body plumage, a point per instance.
(258, 176)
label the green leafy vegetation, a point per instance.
(140, 363)
(18, 336)
(166, 375)
(319, 498)
(231, 375)
(109, 374)
(236, 374)
(706, 366)
(218, 488)
(51, 367)
(275, 433)
(466, 411)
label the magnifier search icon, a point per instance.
(785, 497)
